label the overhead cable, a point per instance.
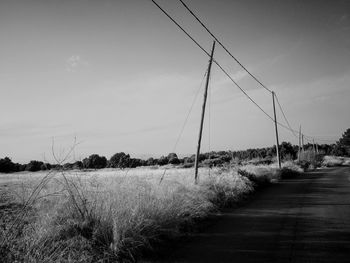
(222, 45)
(284, 116)
(217, 63)
(226, 73)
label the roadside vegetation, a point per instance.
(211, 159)
(99, 210)
(109, 215)
(331, 161)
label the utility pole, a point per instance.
(302, 141)
(277, 143)
(203, 112)
(313, 146)
(299, 153)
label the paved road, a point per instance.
(297, 220)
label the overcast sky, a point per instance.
(120, 76)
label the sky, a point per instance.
(118, 75)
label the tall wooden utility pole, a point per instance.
(302, 141)
(299, 153)
(277, 143)
(203, 111)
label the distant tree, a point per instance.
(345, 139)
(173, 159)
(48, 166)
(56, 166)
(187, 160)
(19, 167)
(34, 166)
(95, 161)
(6, 165)
(270, 152)
(343, 145)
(45, 166)
(86, 163)
(172, 155)
(119, 160)
(151, 161)
(201, 157)
(68, 166)
(286, 149)
(78, 165)
(163, 160)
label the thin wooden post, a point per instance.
(302, 142)
(277, 143)
(299, 153)
(202, 116)
(313, 146)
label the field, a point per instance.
(114, 215)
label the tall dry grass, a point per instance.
(114, 215)
(331, 161)
(85, 217)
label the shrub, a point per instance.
(45, 166)
(151, 161)
(95, 161)
(6, 165)
(332, 161)
(173, 159)
(163, 160)
(34, 166)
(78, 165)
(343, 145)
(119, 160)
(258, 176)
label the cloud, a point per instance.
(76, 63)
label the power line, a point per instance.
(182, 29)
(257, 80)
(226, 73)
(185, 122)
(217, 63)
(222, 45)
(189, 112)
(284, 116)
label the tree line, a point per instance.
(214, 158)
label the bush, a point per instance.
(95, 161)
(78, 165)
(309, 158)
(258, 177)
(163, 160)
(151, 161)
(45, 166)
(34, 166)
(6, 165)
(214, 162)
(119, 160)
(343, 145)
(332, 161)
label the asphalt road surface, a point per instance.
(297, 220)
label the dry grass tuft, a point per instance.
(331, 161)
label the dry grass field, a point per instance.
(113, 215)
